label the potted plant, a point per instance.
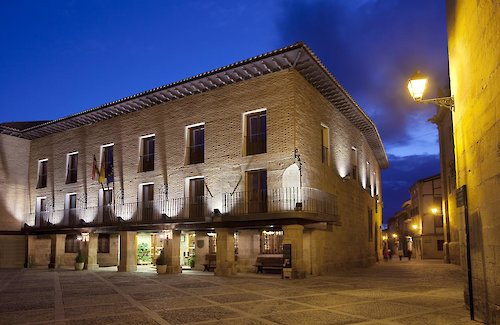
(79, 262)
(161, 263)
(191, 261)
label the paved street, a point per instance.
(395, 292)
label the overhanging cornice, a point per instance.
(297, 56)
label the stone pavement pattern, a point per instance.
(396, 292)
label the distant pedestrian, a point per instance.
(399, 249)
(385, 252)
(410, 249)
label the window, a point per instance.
(71, 167)
(196, 197)
(147, 158)
(324, 144)
(354, 162)
(196, 144)
(103, 243)
(370, 225)
(147, 202)
(256, 136)
(106, 208)
(271, 242)
(257, 191)
(71, 244)
(106, 170)
(42, 173)
(440, 244)
(368, 172)
(70, 207)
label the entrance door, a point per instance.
(257, 191)
(196, 197)
(147, 202)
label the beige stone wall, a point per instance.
(346, 245)
(14, 195)
(12, 251)
(474, 52)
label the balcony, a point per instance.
(293, 202)
(136, 213)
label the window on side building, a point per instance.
(71, 244)
(196, 144)
(256, 133)
(354, 163)
(72, 167)
(147, 153)
(325, 144)
(42, 173)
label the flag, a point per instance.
(102, 171)
(95, 169)
(109, 173)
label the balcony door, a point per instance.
(107, 207)
(71, 209)
(147, 202)
(257, 191)
(196, 197)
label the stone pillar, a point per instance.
(128, 251)
(293, 234)
(225, 265)
(56, 250)
(172, 249)
(30, 251)
(91, 252)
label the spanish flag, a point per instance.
(102, 172)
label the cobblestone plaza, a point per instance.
(396, 292)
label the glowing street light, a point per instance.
(414, 226)
(435, 210)
(394, 236)
(416, 87)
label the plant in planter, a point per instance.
(79, 262)
(143, 254)
(191, 260)
(161, 263)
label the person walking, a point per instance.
(410, 248)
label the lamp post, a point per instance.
(416, 87)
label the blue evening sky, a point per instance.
(62, 57)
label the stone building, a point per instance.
(426, 218)
(474, 52)
(232, 163)
(444, 123)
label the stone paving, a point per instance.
(395, 292)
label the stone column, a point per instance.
(56, 250)
(30, 251)
(225, 265)
(128, 251)
(91, 252)
(293, 234)
(172, 249)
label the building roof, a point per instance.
(297, 56)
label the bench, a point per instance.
(270, 262)
(210, 262)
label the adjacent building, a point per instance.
(426, 219)
(235, 162)
(474, 52)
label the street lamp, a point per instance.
(435, 211)
(416, 87)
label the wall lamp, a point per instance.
(416, 87)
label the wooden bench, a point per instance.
(270, 262)
(210, 263)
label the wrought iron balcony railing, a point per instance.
(282, 200)
(136, 213)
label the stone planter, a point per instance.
(161, 269)
(79, 266)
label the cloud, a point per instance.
(372, 47)
(403, 173)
